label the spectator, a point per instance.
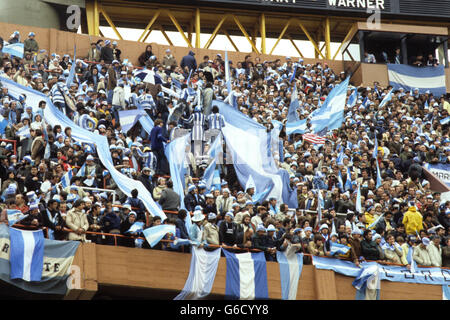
(157, 138)
(169, 199)
(181, 224)
(53, 220)
(435, 251)
(446, 253)
(197, 229)
(30, 44)
(227, 231)
(137, 205)
(369, 58)
(14, 38)
(94, 54)
(420, 254)
(398, 58)
(412, 220)
(189, 61)
(145, 56)
(77, 221)
(211, 231)
(124, 227)
(106, 53)
(316, 247)
(169, 60)
(393, 251)
(368, 247)
(116, 51)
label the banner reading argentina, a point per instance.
(441, 171)
(57, 260)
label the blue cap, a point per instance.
(260, 228)
(229, 214)
(271, 228)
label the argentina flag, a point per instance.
(336, 248)
(14, 49)
(291, 265)
(154, 234)
(15, 216)
(128, 118)
(246, 277)
(424, 78)
(367, 283)
(201, 274)
(66, 178)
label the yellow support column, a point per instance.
(180, 30)
(93, 19)
(262, 25)
(281, 35)
(310, 39)
(148, 34)
(328, 38)
(111, 23)
(294, 45)
(241, 27)
(161, 28)
(213, 35)
(150, 24)
(231, 40)
(197, 28)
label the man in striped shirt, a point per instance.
(146, 101)
(57, 92)
(198, 133)
(216, 122)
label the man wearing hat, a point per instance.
(57, 93)
(124, 227)
(77, 221)
(34, 217)
(94, 53)
(169, 60)
(169, 200)
(420, 253)
(211, 230)
(227, 230)
(53, 220)
(190, 200)
(106, 53)
(197, 229)
(30, 44)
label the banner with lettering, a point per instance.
(441, 171)
(435, 276)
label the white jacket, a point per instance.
(119, 97)
(435, 255)
(421, 256)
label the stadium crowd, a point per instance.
(408, 130)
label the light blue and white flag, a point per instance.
(348, 181)
(66, 178)
(71, 76)
(352, 98)
(291, 265)
(154, 234)
(24, 132)
(27, 254)
(246, 276)
(374, 224)
(82, 171)
(337, 248)
(375, 149)
(367, 283)
(14, 49)
(15, 216)
(292, 116)
(445, 292)
(358, 206)
(423, 78)
(445, 121)
(331, 114)
(227, 73)
(211, 176)
(129, 118)
(386, 99)
(201, 274)
(180, 242)
(299, 126)
(379, 181)
(138, 226)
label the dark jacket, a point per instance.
(146, 181)
(111, 221)
(369, 250)
(124, 227)
(170, 200)
(157, 138)
(189, 61)
(260, 242)
(227, 233)
(180, 224)
(446, 257)
(190, 202)
(106, 54)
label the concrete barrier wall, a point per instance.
(123, 268)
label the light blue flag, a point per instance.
(90, 182)
(66, 178)
(374, 224)
(411, 261)
(299, 127)
(82, 171)
(293, 74)
(379, 181)
(128, 118)
(180, 242)
(138, 226)
(210, 174)
(246, 276)
(375, 149)
(445, 121)
(15, 216)
(319, 207)
(348, 181)
(358, 205)
(291, 265)
(14, 49)
(445, 292)
(71, 76)
(352, 98)
(426, 105)
(154, 235)
(26, 254)
(368, 279)
(292, 113)
(331, 114)
(386, 99)
(24, 132)
(424, 78)
(201, 274)
(227, 74)
(337, 248)
(340, 182)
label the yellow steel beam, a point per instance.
(295, 46)
(180, 30)
(350, 34)
(262, 31)
(111, 23)
(231, 40)
(241, 27)
(281, 35)
(212, 40)
(148, 34)
(310, 38)
(197, 28)
(161, 28)
(93, 19)
(213, 35)
(149, 25)
(327, 38)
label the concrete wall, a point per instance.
(120, 269)
(28, 12)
